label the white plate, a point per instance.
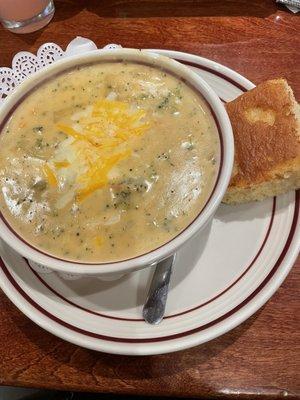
(219, 279)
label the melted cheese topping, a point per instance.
(97, 142)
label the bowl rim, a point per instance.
(227, 154)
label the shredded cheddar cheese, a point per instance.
(100, 141)
(97, 175)
(50, 176)
(61, 164)
(71, 132)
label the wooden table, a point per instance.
(262, 356)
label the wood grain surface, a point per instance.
(260, 358)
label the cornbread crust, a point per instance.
(266, 127)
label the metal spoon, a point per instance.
(154, 308)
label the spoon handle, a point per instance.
(154, 308)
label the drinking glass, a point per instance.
(24, 16)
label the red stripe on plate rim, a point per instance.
(214, 72)
(200, 328)
(168, 337)
(172, 315)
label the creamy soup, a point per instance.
(107, 162)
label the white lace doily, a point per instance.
(25, 63)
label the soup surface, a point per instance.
(107, 161)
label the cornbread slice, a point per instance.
(266, 127)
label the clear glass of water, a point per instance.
(24, 16)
